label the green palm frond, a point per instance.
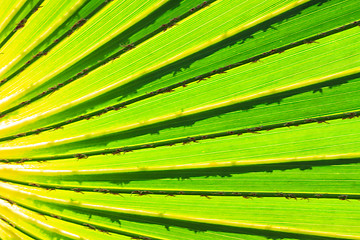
(179, 119)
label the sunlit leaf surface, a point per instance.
(179, 119)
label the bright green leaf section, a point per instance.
(7, 232)
(150, 50)
(328, 17)
(51, 29)
(249, 148)
(279, 180)
(196, 208)
(325, 179)
(313, 61)
(103, 27)
(11, 13)
(27, 221)
(18, 46)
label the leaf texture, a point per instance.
(179, 119)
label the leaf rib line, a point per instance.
(12, 14)
(21, 24)
(179, 192)
(193, 166)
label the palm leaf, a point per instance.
(179, 119)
